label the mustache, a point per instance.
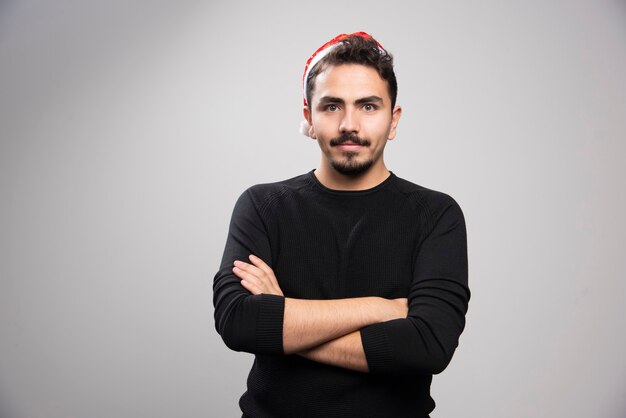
(348, 137)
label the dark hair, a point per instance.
(361, 50)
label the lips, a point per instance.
(350, 146)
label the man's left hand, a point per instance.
(258, 277)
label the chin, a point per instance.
(352, 168)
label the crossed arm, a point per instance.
(372, 334)
(326, 331)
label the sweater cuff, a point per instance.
(269, 337)
(377, 348)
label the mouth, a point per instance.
(350, 146)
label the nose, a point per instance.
(349, 122)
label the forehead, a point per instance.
(350, 82)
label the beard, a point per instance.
(349, 166)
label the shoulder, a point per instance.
(433, 203)
(266, 194)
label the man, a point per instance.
(348, 283)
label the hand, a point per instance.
(258, 277)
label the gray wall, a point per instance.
(128, 129)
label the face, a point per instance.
(351, 118)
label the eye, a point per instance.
(331, 108)
(369, 107)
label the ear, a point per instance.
(308, 117)
(395, 118)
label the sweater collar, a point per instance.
(317, 184)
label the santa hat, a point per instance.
(317, 56)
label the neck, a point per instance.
(333, 179)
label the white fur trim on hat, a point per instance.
(305, 128)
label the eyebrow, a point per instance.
(330, 99)
(368, 99)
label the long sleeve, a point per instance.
(395, 240)
(246, 322)
(425, 341)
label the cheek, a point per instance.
(326, 128)
(377, 127)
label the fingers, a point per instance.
(244, 272)
(260, 264)
(248, 268)
(252, 288)
(257, 278)
(251, 282)
(265, 268)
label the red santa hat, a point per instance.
(317, 56)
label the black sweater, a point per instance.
(395, 240)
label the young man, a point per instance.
(348, 283)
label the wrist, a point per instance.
(389, 309)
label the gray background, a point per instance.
(128, 129)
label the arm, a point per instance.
(251, 323)
(346, 351)
(309, 323)
(424, 341)
(259, 319)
